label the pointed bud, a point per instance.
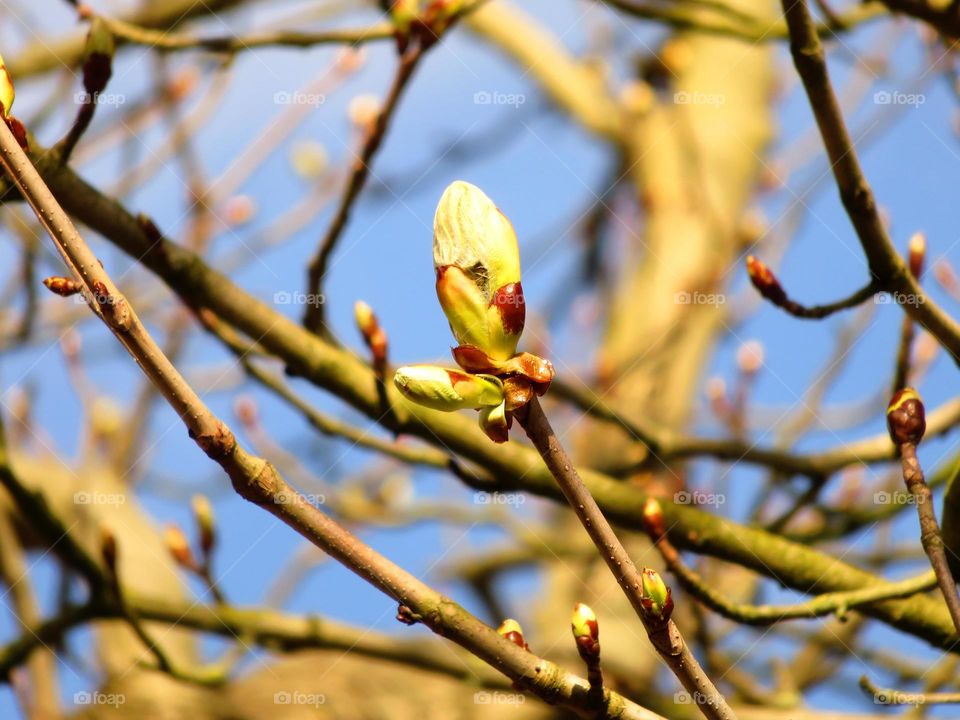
(584, 622)
(448, 390)
(373, 335)
(178, 546)
(6, 89)
(62, 286)
(203, 514)
(765, 281)
(477, 259)
(906, 419)
(511, 630)
(99, 57)
(653, 521)
(657, 600)
(917, 254)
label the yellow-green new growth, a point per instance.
(6, 89)
(448, 390)
(477, 260)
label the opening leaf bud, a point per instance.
(448, 390)
(906, 419)
(100, 49)
(657, 600)
(584, 623)
(477, 260)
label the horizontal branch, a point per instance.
(343, 374)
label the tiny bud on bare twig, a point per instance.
(179, 547)
(906, 419)
(917, 254)
(62, 286)
(511, 630)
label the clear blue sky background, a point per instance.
(541, 174)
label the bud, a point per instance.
(906, 420)
(203, 513)
(373, 335)
(653, 519)
(511, 630)
(947, 277)
(477, 260)
(584, 623)
(309, 159)
(765, 281)
(448, 390)
(178, 546)
(657, 600)
(6, 89)
(917, 254)
(495, 422)
(363, 111)
(62, 286)
(99, 57)
(239, 210)
(750, 357)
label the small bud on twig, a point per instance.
(653, 521)
(657, 598)
(906, 419)
(178, 547)
(750, 357)
(62, 286)
(448, 390)
(203, 513)
(765, 281)
(917, 254)
(511, 630)
(586, 633)
(373, 335)
(100, 49)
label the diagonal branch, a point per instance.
(257, 480)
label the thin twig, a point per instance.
(666, 639)
(930, 536)
(314, 316)
(886, 265)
